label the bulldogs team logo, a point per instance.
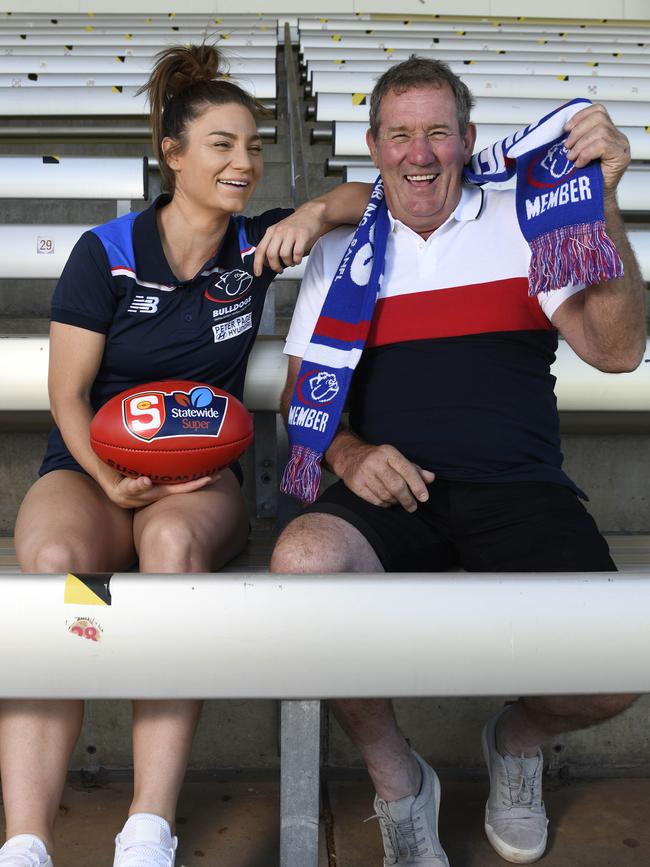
(156, 415)
(556, 161)
(552, 168)
(318, 387)
(229, 286)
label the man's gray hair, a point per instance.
(420, 72)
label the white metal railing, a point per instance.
(516, 111)
(41, 251)
(88, 65)
(349, 136)
(503, 85)
(486, 67)
(450, 41)
(579, 387)
(84, 101)
(555, 54)
(122, 50)
(270, 636)
(55, 177)
(80, 38)
(523, 29)
(261, 86)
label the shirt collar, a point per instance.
(468, 208)
(470, 205)
(151, 263)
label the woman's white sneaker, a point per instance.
(145, 841)
(24, 850)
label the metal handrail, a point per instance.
(297, 163)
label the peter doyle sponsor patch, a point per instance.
(228, 330)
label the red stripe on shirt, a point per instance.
(501, 305)
(337, 330)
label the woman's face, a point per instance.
(221, 163)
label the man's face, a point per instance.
(420, 154)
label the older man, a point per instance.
(452, 457)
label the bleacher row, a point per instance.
(72, 78)
(79, 66)
(48, 60)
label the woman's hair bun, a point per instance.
(184, 65)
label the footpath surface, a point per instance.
(231, 820)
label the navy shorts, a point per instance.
(57, 457)
(479, 527)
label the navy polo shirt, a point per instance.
(118, 282)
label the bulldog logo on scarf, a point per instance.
(321, 386)
(556, 162)
(559, 206)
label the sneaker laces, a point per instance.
(143, 855)
(521, 793)
(401, 836)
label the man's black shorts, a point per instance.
(479, 527)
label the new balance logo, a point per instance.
(144, 304)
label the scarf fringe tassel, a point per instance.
(572, 255)
(301, 477)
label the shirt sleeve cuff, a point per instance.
(73, 317)
(292, 348)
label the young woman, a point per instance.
(172, 292)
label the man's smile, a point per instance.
(421, 180)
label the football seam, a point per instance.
(168, 451)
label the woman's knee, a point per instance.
(168, 543)
(58, 555)
(66, 523)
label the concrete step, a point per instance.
(600, 823)
(232, 819)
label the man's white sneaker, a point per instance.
(515, 819)
(145, 841)
(24, 850)
(409, 827)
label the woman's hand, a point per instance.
(136, 493)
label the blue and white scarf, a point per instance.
(561, 215)
(335, 349)
(559, 207)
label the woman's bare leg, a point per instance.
(65, 524)
(197, 532)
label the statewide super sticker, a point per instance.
(153, 415)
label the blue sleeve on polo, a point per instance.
(251, 229)
(85, 293)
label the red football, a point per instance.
(172, 431)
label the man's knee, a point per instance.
(581, 710)
(322, 543)
(305, 546)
